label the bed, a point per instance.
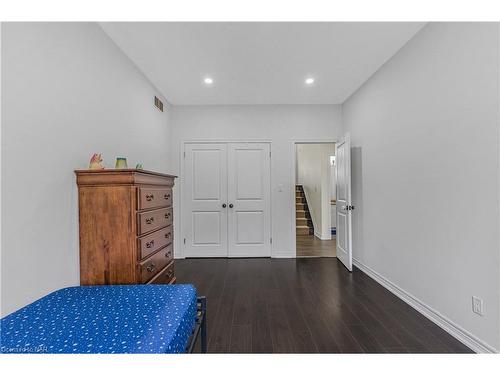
(108, 319)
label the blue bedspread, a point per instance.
(104, 319)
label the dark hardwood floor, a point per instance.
(306, 305)
(312, 246)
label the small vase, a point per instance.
(121, 163)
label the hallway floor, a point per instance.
(306, 305)
(312, 246)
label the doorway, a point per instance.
(227, 199)
(315, 200)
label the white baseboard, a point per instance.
(321, 237)
(453, 329)
(277, 256)
(284, 255)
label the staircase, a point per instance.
(303, 222)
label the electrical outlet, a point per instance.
(477, 305)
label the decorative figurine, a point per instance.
(139, 166)
(95, 162)
(121, 163)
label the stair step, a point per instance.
(300, 214)
(303, 222)
(303, 231)
(299, 206)
(299, 200)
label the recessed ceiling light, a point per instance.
(208, 81)
(309, 81)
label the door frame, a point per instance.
(180, 219)
(293, 179)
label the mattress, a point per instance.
(104, 319)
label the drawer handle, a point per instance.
(150, 220)
(169, 273)
(150, 197)
(167, 215)
(167, 255)
(150, 244)
(151, 267)
(167, 235)
(166, 196)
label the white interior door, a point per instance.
(204, 195)
(344, 203)
(249, 203)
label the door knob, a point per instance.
(223, 205)
(231, 205)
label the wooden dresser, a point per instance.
(126, 227)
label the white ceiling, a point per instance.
(259, 63)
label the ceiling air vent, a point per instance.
(158, 104)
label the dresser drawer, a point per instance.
(149, 243)
(154, 197)
(166, 276)
(156, 263)
(152, 220)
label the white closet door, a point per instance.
(344, 204)
(249, 204)
(204, 194)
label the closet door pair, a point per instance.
(226, 206)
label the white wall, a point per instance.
(314, 174)
(425, 142)
(67, 92)
(280, 124)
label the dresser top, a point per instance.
(122, 177)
